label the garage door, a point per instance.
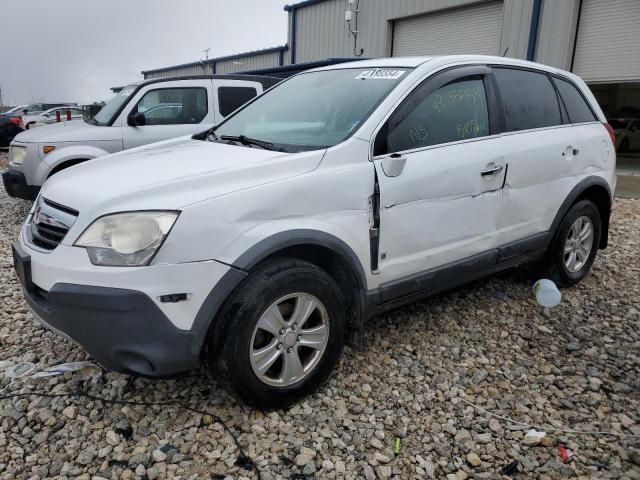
(608, 43)
(465, 30)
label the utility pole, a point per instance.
(206, 52)
(1, 104)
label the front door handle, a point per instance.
(491, 169)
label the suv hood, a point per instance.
(170, 175)
(72, 131)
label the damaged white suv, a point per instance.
(339, 194)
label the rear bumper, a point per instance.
(122, 329)
(16, 185)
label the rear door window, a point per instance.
(577, 107)
(232, 98)
(529, 99)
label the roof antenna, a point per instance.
(505, 51)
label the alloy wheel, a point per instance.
(289, 339)
(578, 245)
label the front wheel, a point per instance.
(283, 331)
(575, 245)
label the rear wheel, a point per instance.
(283, 332)
(575, 245)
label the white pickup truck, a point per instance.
(141, 113)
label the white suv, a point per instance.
(139, 114)
(339, 194)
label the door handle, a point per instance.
(574, 151)
(393, 165)
(491, 169)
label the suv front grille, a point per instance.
(49, 223)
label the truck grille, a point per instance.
(49, 223)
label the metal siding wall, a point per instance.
(556, 33)
(249, 63)
(516, 22)
(608, 43)
(474, 29)
(180, 72)
(322, 32)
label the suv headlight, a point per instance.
(127, 239)
(17, 154)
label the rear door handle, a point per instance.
(570, 150)
(491, 169)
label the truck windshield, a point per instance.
(106, 113)
(313, 110)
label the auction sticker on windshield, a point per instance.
(380, 74)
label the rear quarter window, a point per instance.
(529, 99)
(577, 107)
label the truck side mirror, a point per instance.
(136, 119)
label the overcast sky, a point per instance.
(75, 50)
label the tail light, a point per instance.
(612, 134)
(16, 121)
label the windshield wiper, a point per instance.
(250, 141)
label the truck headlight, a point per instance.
(126, 239)
(17, 154)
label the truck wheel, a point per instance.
(575, 245)
(283, 331)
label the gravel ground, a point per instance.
(429, 375)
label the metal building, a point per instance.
(597, 39)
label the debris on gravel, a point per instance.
(444, 388)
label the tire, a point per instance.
(557, 264)
(270, 284)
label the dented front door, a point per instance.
(443, 206)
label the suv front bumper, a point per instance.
(122, 329)
(16, 185)
(116, 313)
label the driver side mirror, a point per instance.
(136, 119)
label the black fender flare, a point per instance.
(571, 198)
(299, 237)
(240, 268)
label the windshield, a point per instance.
(313, 110)
(106, 113)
